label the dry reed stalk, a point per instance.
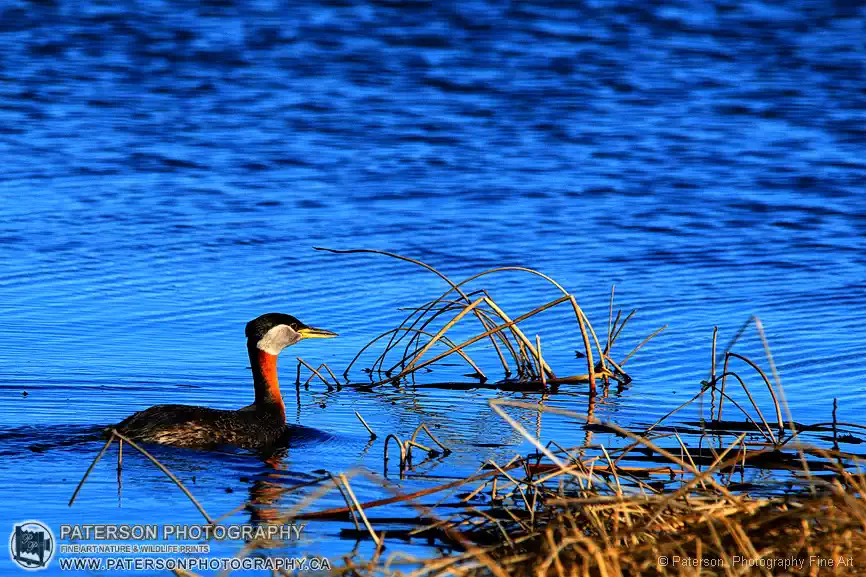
(416, 333)
(613, 470)
(495, 521)
(738, 334)
(469, 496)
(402, 447)
(445, 340)
(797, 444)
(410, 444)
(699, 477)
(618, 372)
(590, 364)
(89, 469)
(767, 383)
(337, 483)
(168, 473)
(609, 318)
(330, 372)
(752, 400)
(713, 359)
(314, 371)
(602, 359)
(366, 426)
(609, 343)
(515, 482)
(394, 340)
(504, 269)
(685, 451)
(518, 358)
(323, 490)
(618, 329)
(423, 427)
(360, 509)
(664, 417)
(520, 336)
(319, 368)
(724, 382)
(641, 344)
(477, 338)
(577, 470)
(540, 361)
(443, 330)
(431, 269)
(488, 322)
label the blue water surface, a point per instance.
(168, 167)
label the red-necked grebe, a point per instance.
(256, 426)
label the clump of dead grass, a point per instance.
(402, 349)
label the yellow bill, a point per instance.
(314, 333)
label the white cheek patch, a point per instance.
(278, 338)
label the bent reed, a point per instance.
(716, 497)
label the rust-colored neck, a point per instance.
(267, 386)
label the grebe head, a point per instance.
(272, 332)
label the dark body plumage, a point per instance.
(202, 427)
(260, 425)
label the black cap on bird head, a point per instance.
(272, 332)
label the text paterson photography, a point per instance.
(153, 532)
